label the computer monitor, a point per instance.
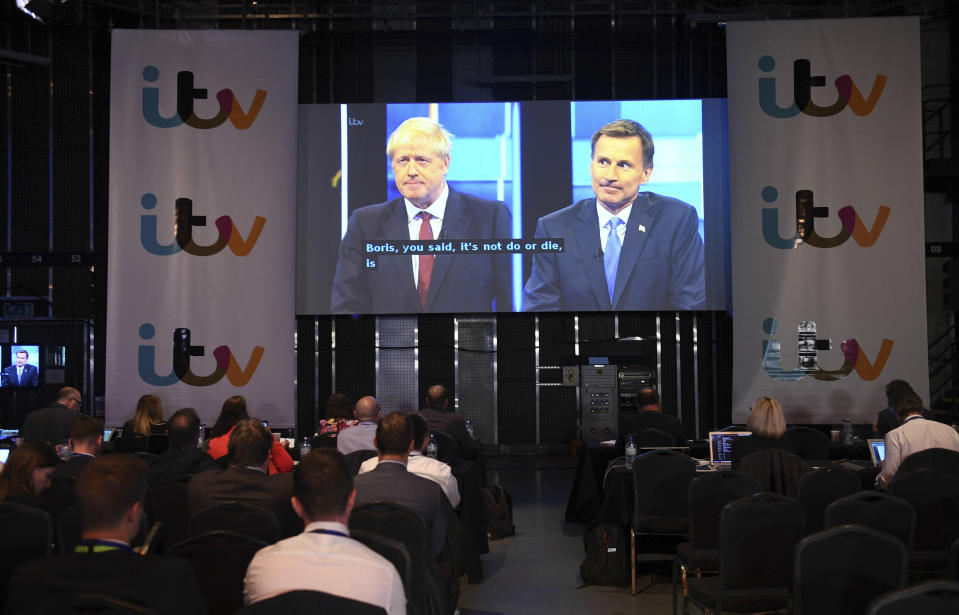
(721, 446)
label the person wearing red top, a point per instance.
(234, 409)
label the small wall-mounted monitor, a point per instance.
(20, 366)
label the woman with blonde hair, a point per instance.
(148, 418)
(768, 425)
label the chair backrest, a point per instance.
(809, 443)
(392, 550)
(778, 471)
(158, 443)
(240, 517)
(106, 604)
(661, 484)
(356, 459)
(953, 571)
(303, 602)
(26, 533)
(708, 495)
(840, 570)
(69, 528)
(324, 440)
(59, 496)
(648, 437)
(927, 598)
(876, 509)
(220, 559)
(820, 488)
(448, 451)
(757, 536)
(167, 503)
(941, 459)
(131, 443)
(935, 497)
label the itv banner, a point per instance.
(827, 215)
(202, 220)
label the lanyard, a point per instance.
(331, 532)
(100, 546)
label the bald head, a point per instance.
(69, 397)
(367, 409)
(437, 397)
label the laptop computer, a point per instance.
(721, 447)
(877, 450)
(107, 433)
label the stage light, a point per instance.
(41, 10)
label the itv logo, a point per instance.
(183, 351)
(847, 92)
(186, 94)
(806, 214)
(809, 344)
(183, 223)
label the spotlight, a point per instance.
(42, 10)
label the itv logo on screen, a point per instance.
(184, 221)
(847, 92)
(807, 213)
(809, 344)
(183, 351)
(186, 94)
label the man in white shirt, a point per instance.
(915, 434)
(324, 557)
(421, 465)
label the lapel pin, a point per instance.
(642, 229)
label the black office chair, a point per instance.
(941, 459)
(927, 598)
(303, 602)
(651, 437)
(875, 509)
(661, 502)
(158, 443)
(757, 536)
(131, 443)
(778, 471)
(167, 503)
(407, 527)
(392, 550)
(840, 570)
(809, 443)
(935, 497)
(356, 459)
(105, 604)
(325, 440)
(220, 559)
(708, 495)
(59, 496)
(239, 517)
(26, 533)
(69, 528)
(448, 451)
(820, 488)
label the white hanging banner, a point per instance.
(202, 211)
(827, 215)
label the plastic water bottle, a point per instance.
(469, 428)
(846, 431)
(630, 452)
(201, 437)
(305, 448)
(431, 448)
(65, 451)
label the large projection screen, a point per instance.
(534, 159)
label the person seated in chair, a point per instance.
(86, 441)
(360, 436)
(915, 434)
(768, 425)
(888, 419)
(324, 557)
(651, 415)
(110, 492)
(182, 458)
(441, 417)
(424, 466)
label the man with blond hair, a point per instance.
(428, 210)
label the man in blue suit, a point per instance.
(625, 249)
(419, 152)
(21, 373)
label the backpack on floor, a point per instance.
(497, 512)
(607, 558)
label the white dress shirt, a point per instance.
(914, 435)
(436, 471)
(437, 209)
(328, 563)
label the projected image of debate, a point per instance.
(507, 207)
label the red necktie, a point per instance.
(426, 262)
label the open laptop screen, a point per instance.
(877, 449)
(721, 446)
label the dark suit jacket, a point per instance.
(453, 424)
(73, 467)
(236, 484)
(30, 378)
(459, 283)
(166, 584)
(660, 268)
(391, 482)
(50, 424)
(176, 464)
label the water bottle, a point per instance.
(431, 448)
(846, 431)
(201, 437)
(305, 448)
(469, 428)
(65, 451)
(630, 452)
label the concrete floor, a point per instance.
(537, 570)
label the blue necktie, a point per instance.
(611, 255)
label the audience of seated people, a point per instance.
(767, 424)
(27, 473)
(51, 424)
(183, 458)
(421, 465)
(360, 436)
(440, 417)
(247, 479)
(324, 557)
(110, 492)
(148, 418)
(339, 415)
(233, 411)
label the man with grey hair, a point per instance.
(383, 282)
(624, 249)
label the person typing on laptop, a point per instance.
(915, 434)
